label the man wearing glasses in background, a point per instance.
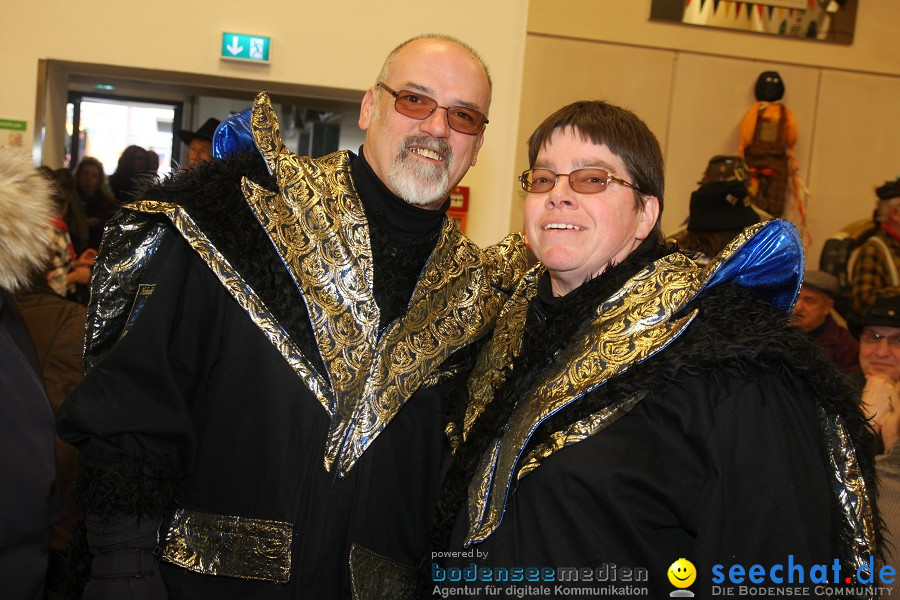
(879, 361)
(261, 439)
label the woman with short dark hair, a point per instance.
(634, 408)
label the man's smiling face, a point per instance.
(421, 161)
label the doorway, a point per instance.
(103, 126)
(309, 115)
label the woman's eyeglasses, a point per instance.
(583, 181)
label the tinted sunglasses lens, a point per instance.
(588, 181)
(413, 105)
(465, 120)
(538, 180)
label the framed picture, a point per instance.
(818, 20)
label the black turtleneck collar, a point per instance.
(606, 283)
(403, 220)
(402, 237)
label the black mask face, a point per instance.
(769, 87)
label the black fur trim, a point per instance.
(397, 265)
(133, 486)
(211, 194)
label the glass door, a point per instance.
(103, 126)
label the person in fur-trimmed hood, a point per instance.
(269, 341)
(29, 501)
(633, 408)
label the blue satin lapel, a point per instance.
(233, 135)
(770, 263)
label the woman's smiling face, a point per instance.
(576, 236)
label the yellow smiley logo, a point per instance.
(682, 573)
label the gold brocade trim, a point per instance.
(242, 292)
(318, 226)
(576, 432)
(850, 489)
(376, 577)
(442, 374)
(630, 326)
(230, 546)
(497, 354)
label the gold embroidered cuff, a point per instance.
(230, 546)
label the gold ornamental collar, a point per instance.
(629, 327)
(317, 224)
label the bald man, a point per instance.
(269, 355)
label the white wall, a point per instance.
(325, 44)
(845, 96)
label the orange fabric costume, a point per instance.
(768, 135)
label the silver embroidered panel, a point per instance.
(129, 243)
(849, 487)
(230, 546)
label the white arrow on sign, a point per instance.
(234, 47)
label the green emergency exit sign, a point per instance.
(240, 46)
(13, 125)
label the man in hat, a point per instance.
(879, 358)
(271, 342)
(875, 272)
(812, 314)
(199, 142)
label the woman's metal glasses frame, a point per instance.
(584, 181)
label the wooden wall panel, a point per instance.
(855, 148)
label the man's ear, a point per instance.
(366, 108)
(477, 148)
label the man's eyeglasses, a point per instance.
(418, 106)
(869, 336)
(583, 181)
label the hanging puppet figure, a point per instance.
(768, 135)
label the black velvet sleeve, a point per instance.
(131, 416)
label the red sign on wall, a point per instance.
(459, 199)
